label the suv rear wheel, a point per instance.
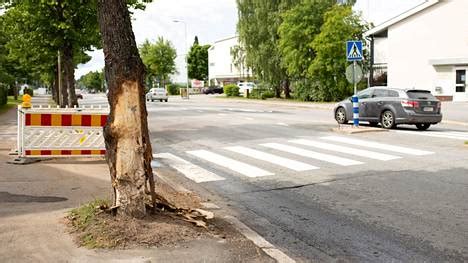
(423, 126)
(388, 119)
(340, 116)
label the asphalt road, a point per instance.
(397, 196)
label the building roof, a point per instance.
(385, 25)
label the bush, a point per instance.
(3, 95)
(262, 94)
(303, 90)
(173, 89)
(231, 90)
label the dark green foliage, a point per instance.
(258, 25)
(303, 90)
(92, 81)
(231, 90)
(299, 28)
(262, 93)
(174, 89)
(198, 61)
(329, 65)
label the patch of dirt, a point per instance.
(161, 229)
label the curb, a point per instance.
(352, 130)
(455, 123)
(259, 241)
(247, 232)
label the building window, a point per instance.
(460, 80)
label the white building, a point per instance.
(222, 69)
(425, 48)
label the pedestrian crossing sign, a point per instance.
(354, 50)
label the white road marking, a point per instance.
(444, 134)
(259, 241)
(347, 150)
(282, 124)
(236, 166)
(285, 162)
(191, 171)
(222, 114)
(248, 118)
(376, 145)
(311, 154)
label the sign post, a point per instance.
(354, 53)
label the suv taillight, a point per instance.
(410, 103)
(439, 104)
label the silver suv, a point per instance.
(390, 107)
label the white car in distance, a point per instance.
(157, 94)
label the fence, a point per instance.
(59, 132)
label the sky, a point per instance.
(212, 20)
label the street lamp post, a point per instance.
(186, 53)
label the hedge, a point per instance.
(231, 90)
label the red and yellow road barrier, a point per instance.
(66, 120)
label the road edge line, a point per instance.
(259, 241)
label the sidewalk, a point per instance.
(35, 198)
(455, 112)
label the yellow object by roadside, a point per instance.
(26, 101)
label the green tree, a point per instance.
(298, 30)
(327, 69)
(41, 28)
(92, 81)
(258, 25)
(197, 61)
(159, 59)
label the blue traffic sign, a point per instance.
(354, 50)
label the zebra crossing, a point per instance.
(272, 155)
(445, 134)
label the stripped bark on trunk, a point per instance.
(128, 148)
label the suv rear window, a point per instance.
(420, 94)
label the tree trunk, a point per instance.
(54, 86)
(277, 90)
(62, 88)
(15, 91)
(286, 88)
(69, 74)
(128, 148)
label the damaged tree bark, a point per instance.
(128, 148)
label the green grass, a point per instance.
(83, 220)
(466, 142)
(10, 104)
(84, 215)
